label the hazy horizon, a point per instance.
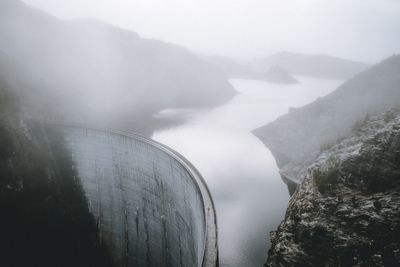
(358, 30)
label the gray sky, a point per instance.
(366, 30)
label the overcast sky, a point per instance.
(366, 30)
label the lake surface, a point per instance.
(241, 173)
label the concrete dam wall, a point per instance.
(151, 206)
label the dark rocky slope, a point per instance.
(340, 157)
(45, 220)
(298, 137)
(347, 210)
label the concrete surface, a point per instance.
(152, 206)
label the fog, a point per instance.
(244, 180)
(365, 30)
(199, 76)
(90, 71)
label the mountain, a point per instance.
(340, 158)
(40, 197)
(347, 210)
(237, 70)
(297, 138)
(319, 66)
(92, 71)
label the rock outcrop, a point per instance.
(297, 138)
(45, 219)
(346, 212)
(340, 157)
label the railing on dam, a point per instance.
(152, 206)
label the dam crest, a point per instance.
(152, 207)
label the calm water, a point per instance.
(242, 175)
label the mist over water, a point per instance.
(250, 197)
(164, 68)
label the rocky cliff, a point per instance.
(346, 211)
(297, 138)
(45, 219)
(340, 157)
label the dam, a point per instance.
(151, 205)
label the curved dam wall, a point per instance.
(151, 206)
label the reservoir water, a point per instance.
(241, 173)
